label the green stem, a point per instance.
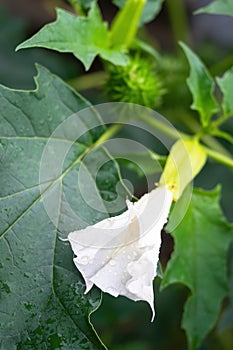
(110, 132)
(210, 141)
(170, 132)
(88, 81)
(165, 129)
(178, 20)
(174, 134)
(220, 158)
(214, 144)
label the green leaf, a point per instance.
(201, 86)
(42, 301)
(151, 9)
(199, 262)
(85, 37)
(218, 7)
(226, 321)
(226, 83)
(17, 70)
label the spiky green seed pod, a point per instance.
(138, 83)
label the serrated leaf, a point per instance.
(226, 83)
(201, 86)
(151, 9)
(85, 37)
(199, 262)
(16, 70)
(42, 305)
(218, 7)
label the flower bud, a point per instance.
(186, 159)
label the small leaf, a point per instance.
(151, 9)
(218, 7)
(226, 84)
(42, 301)
(85, 37)
(199, 261)
(201, 86)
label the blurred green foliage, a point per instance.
(125, 325)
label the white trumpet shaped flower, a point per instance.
(120, 254)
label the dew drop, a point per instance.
(112, 262)
(84, 260)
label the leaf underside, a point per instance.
(199, 262)
(42, 305)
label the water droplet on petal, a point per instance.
(84, 260)
(112, 262)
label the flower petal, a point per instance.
(120, 254)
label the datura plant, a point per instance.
(72, 227)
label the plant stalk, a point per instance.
(170, 132)
(88, 81)
(178, 19)
(220, 67)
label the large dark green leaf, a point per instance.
(226, 321)
(199, 262)
(85, 37)
(42, 305)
